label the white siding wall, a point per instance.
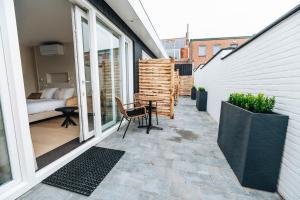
(269, 64)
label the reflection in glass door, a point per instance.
(108, 49)
(5, 169)
(88, 74)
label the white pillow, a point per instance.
(59, 94)
(64, 93)
(48, 93)
(69, 92)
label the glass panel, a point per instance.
(216, 48)
(174, 53)
(5, 170)
(88, 78)
(177, 54)
(202, 50)
(234, 45)
(170, 52)
(108, 46)
(117, 72)
(105, 73)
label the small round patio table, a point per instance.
(150, 99)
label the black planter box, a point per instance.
(201, 100)
(253, 145)
(193, 93)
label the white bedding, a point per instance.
(43, 105)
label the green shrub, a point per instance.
(259, 103)
(201, 89)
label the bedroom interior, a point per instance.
(49, 73)
(57, 121)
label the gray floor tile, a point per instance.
(182, 162)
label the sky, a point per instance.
(214, 18)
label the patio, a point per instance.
(181, 162)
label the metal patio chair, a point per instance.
(139, 103)
(131, 113)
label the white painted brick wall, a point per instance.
(269, 64)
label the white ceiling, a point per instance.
(42, 21)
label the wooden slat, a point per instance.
(156, 76)
(185, 85)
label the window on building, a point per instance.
(202, 50)
(174, 53)
(177, 54)
(234, 45)
(216, 48)
(170, 52)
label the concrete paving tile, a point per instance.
(182, 162)
(45, 192)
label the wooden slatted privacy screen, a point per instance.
(185, 85)
(156, 77)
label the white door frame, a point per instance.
(28, 176)
(16, 93)
(81, 82)
(128, 71)
(9, 128)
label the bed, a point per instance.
(39, 109)
(44, 107)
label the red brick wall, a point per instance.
(194, 48)
(184, 53)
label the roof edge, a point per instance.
(144, 18)
(228, 48)
(157, 39)
(220, 38)
(173, 38)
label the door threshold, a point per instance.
(57, 153)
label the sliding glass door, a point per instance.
(100, 50)
(85, 74)
(108, 51)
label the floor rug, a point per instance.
(85, 173)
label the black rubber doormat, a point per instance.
(85, 173)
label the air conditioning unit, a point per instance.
(51, 49)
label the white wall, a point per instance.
(28, 68)
(269, 64)
(56, 64)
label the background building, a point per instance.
(178, 48)
(201, 50)
(173, 46)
